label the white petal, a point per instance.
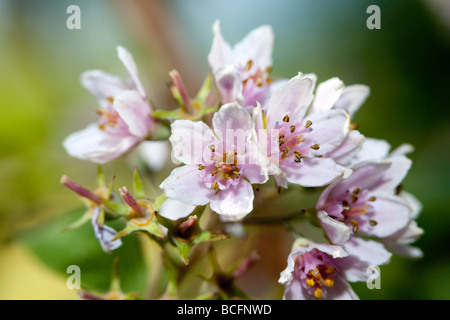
(373, 149)
(352, 98)
(345, 153)
(336, 231)
(327, 94)
(128, 61)
(134, 111)
(368, 250)
(174, 210)
(256, 46)
(190, 140)
(292, 98)
(235, 202)
(186, 185)
(98, 145)
(314, 172)
(220, 54)
(102, 85)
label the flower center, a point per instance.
(109, 116)
(292, 141)
(223, 172)
(259, 77)
(354, 209)
(321, 276)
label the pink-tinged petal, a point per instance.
(391, 214)
(394, 175)
(314, 172)
(327, 93)
(337, 232)
(190, 141)
(370, 251)
(399, 242)
(128, 61)
(347, 150)
(229, 84)
(220, 54)
(155, 154)
(174, 210)
(294, 290)
(102, 85)
(134, 111)
(341, 291)
(372, 149)
(352, 98)
(185, 184)
(352, 268)
(97, 145)
(292, 98)
(233, 126)
(329, 130)
(414, 203)
(257, 46)
(364, 175)
(256, 165)
(234, 202)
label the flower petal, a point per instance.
(352, 98)
(174, 210)
(314, 172)
(327, 93)
(155, 154)
(346, 151)
(341, 291)
(102, 85)
(220, 54)
(190, 141)
(229, 84)
(372, 149)
(234, 202)
(370, 251)
(336, 231)
(391, 214)
(292, 98)
(186, 185)
(135, 112)
(257, 46)
(128, 61)
(97, 145)
(329, 130)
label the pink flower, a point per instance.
(241, 71)
(125, 115)
(367, 204)
(319, 271)
(301, 140)
(221, 164)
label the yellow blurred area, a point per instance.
(24, 277)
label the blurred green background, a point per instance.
(406, 65)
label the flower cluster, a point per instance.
(241, 130)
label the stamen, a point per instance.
(110, 99)
(398, 189)
(298, 156)
(354, 198)
(318, 293)
(269, 69)
(329, 282)
(373, 223)
(308, 124)
(286, 118)
(212, 148)
(201, 167)
(249, 65)
(372, 199)
(330, 270)
(310, 282)
(355, 225)
(292, 128)
(315, 146)
(215, 185)
(356, 190)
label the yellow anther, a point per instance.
(318, 293)
(201, 167)
(292, 128)
(249, 65)
(308, 124)
(373, 223)
(215, 185)
(372, 199)
(315, 146)
(310, 282)
(110, 99)
(330, 270)
(356, 190)
(329, 282)
(286, 118)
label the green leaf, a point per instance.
(58, 250)
(166, 114)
